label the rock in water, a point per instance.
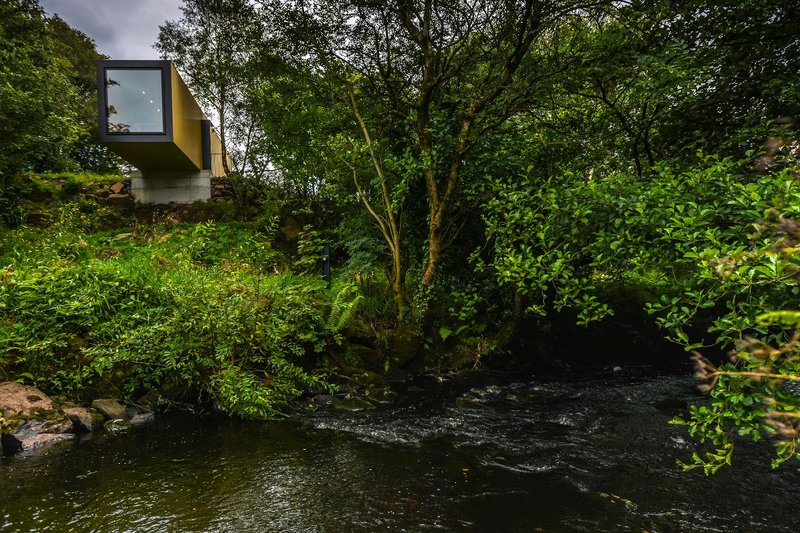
(117, 425)
(141, 420)
(31, 419)
(352, 403)
(470, 404)
(84, 419)
(110, 408)
(32, 434)
(383, 395)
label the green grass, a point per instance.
(84, 178)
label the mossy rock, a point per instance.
(358, 330)
(381, 395)
(369, 379)
(83, 419)
(353, 403)
(117, 425)
(364, 356)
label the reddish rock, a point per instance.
(31, 419)
(117, 187)
(17, 400)
(41, 440)
(32, 434)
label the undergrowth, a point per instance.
(208, 309)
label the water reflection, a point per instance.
(134, 101)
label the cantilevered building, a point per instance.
(148, 116)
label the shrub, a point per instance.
(165, 309)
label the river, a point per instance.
(592, 453)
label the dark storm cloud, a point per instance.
(122, 29)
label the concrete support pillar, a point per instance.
(170, 187)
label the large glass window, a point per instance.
(134, 101)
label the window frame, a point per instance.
(166, 98)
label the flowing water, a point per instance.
(589, 454)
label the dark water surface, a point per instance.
(593, 454)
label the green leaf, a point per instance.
(445, 332)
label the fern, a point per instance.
(342, 309)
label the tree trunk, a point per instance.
(434, 250)
(398, 287)
(637, 160)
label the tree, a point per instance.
(746, 49)
(38, 103)
(212, 45)
(80, 53)
(627, 74)
(425, 82)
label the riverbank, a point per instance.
(97, 301)
(215, 310)
(31, 421)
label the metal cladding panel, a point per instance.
(154, 156)
(217, 168)
(187, 118)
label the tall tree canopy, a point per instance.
(38, 102)
(425, 82)
(81, 55)
(212, 45)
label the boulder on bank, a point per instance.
(30, 419)
(110, 408)
(149, 402)
(17, 400)
(369, 379)
(365, 356)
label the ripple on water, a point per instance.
(581, 456)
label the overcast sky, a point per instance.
(122, 29)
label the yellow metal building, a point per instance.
(148, 116)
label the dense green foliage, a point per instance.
(710, 248)
(701, 240)
(753, 395)
(186, 308)
(37, 101)
(47, 95)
